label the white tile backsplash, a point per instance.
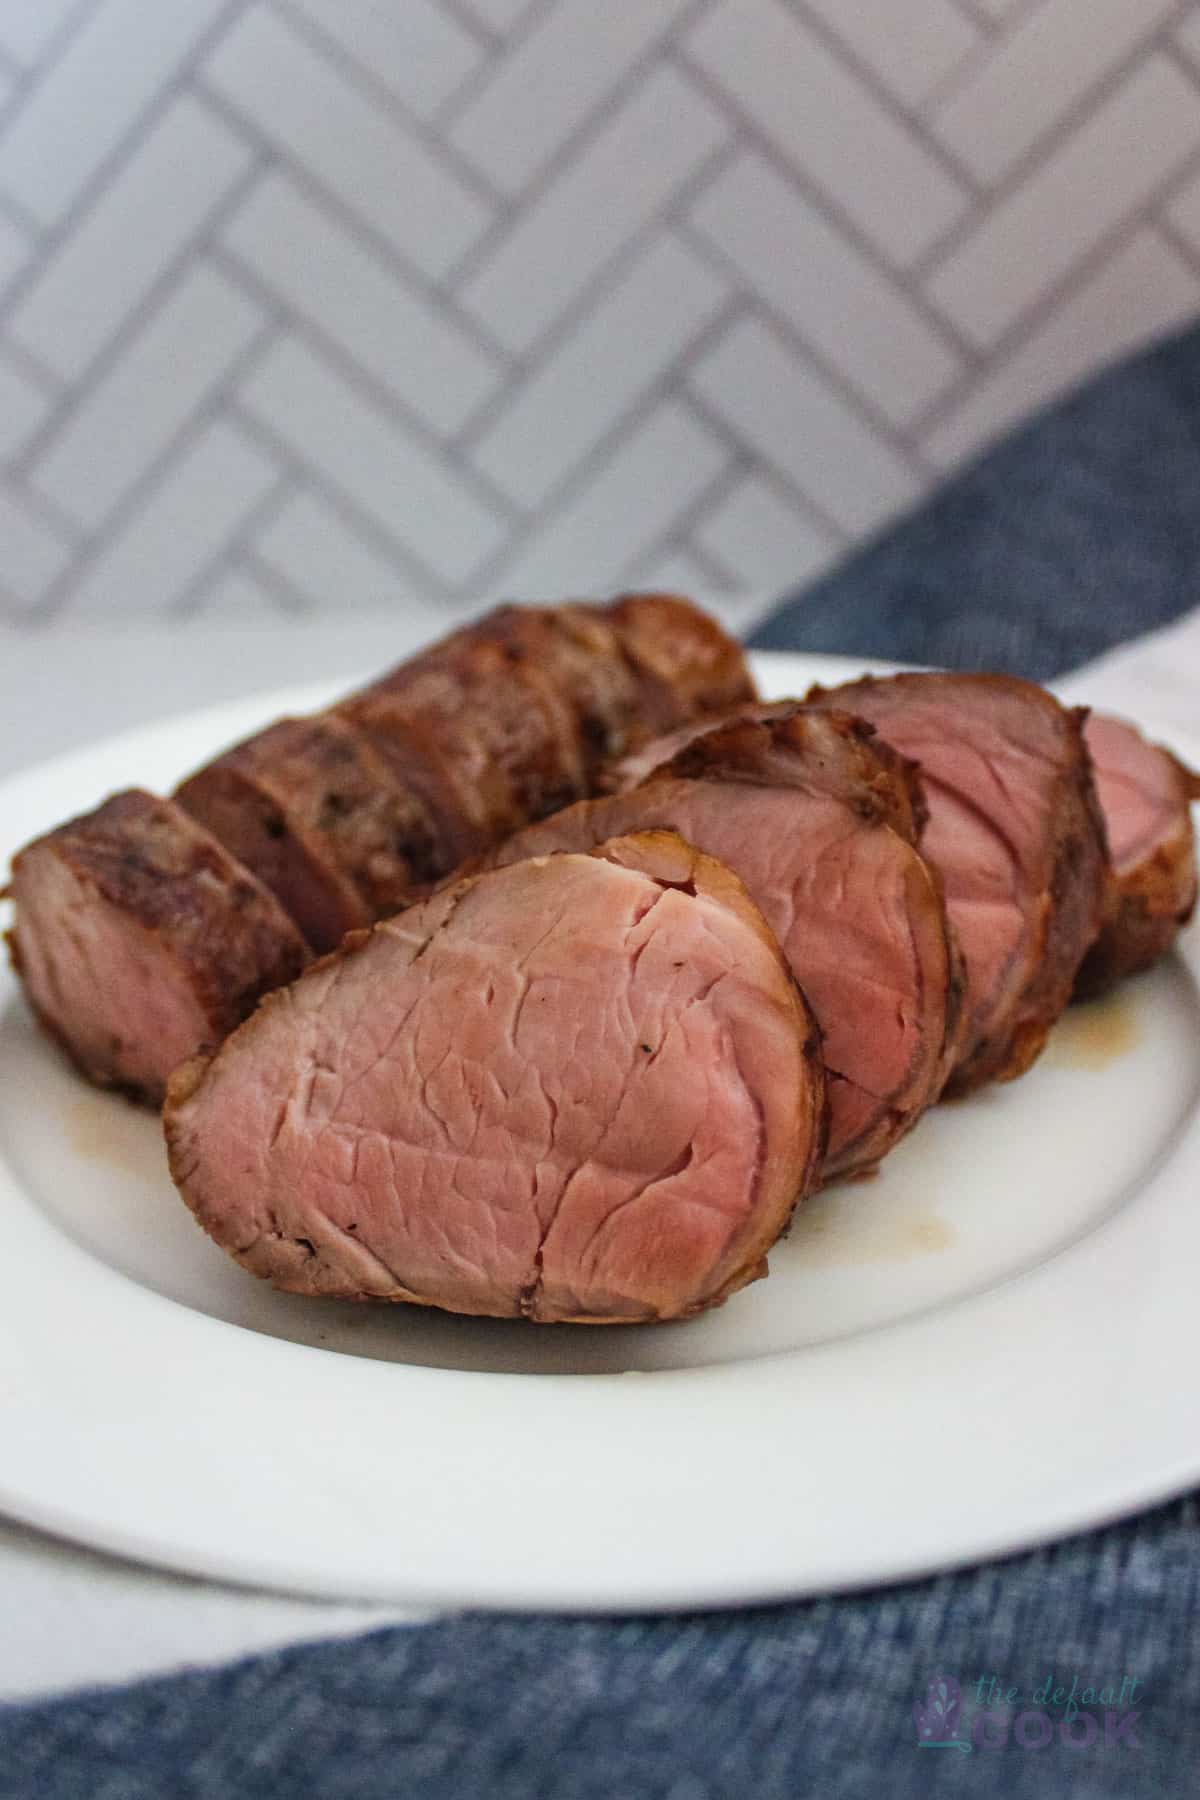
(993, 118)
(1184, 212)
(1104, 173)
(123, 56)
(31, 555)
(28, 28)
(187, 163)
(319, 554)
(16, 248)
(631, 501)
(23, 407)
(496, 15)
(133, 411)
(1187, 35)
(1141, 291)
(788, 414)
(371, 459)
(410, 303)
(345, 289)
(367, 157)
(665, 131)
(234, 596)
(823, 118)
(623, 348)
(416, 50)
(912, 46)
(861, 320)
(551, 81)
(204, 496)
(757, 534)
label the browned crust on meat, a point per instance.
(837, 754)
(509, 719)
(685, 664)
(1145, 907)
(311, 810)
(166, 876)
(496, 723)
(457, 816)
(863, 758)
(523, 656)
(506, 720)
(581, 647)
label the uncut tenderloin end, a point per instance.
(139, 939)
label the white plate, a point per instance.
(991, 1343)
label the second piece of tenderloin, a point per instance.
(818, 821)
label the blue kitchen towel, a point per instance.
(818, 1699)
(1073, 1671)
(1079, 531)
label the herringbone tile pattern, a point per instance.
(314, 303)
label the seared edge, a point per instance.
(815, 748)
(685, 663)
(311, 810)
(161, 876)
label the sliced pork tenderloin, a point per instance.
(845, 757)
(686, 666)
(583, 1088)
(317, 815)
(819, 828)
(1016, 831)
(140, 940)
(506, 735)
(576, 649)
(347, 816)
(1145, 795)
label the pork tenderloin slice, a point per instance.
(583, 653)
(504, 736)
(1145, 796)
(577, 653)
(1016, 831)
(139, 939)
(310, 808)
(686, 664)
(844, 756)
(858, 912)
(457, 814)
(583, 1088)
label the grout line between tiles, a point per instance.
(93, 541)
(750, 135)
